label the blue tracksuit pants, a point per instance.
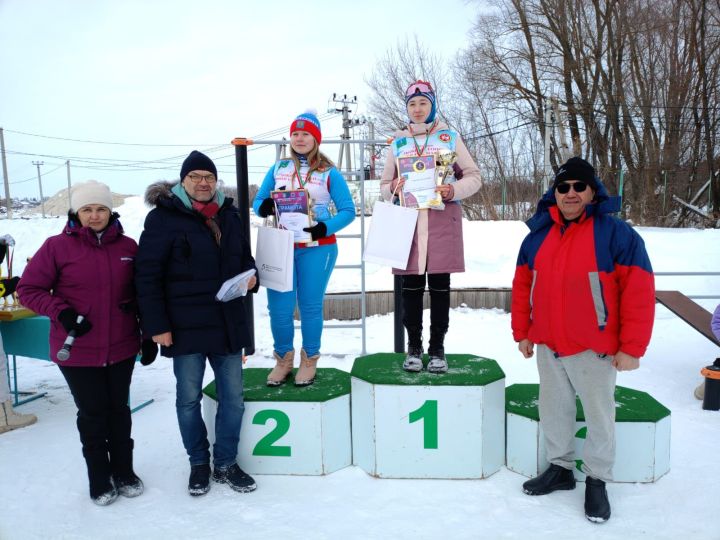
(313, 266)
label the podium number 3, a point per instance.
(266, 445)
(428, 412)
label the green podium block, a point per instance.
(642, 434)
(424, 425)
(288, 429)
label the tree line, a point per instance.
(630, 85)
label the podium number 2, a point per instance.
(428, 412)
(266, 445)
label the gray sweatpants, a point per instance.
(593, 379)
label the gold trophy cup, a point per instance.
(444, 160)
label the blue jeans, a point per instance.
(312, 270)
(189, 370)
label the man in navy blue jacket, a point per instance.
(192, 242)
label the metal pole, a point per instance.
(503, 196)
(371, 134)
(243, 190)
(363, 297)
(42, 200)
(664, 189)
(548, 168)
(67, 164)
(8, 202)
(622, 180)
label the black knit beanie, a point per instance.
(576, 168)
(197, 161)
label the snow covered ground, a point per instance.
(43, 486)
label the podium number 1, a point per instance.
(428, 412)
(266, 445)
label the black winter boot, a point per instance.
(413, 361)
(553, 479)
(102, 488)
(436, 350)
(121, 463)
(597, 506)
(438, 362)
(199, 483)
(235, 477)
(129, 485)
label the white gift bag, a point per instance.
(274, 258)
(391, 234)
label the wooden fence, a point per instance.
(381, 302)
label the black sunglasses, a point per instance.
(564, 187)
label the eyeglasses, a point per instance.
(564, 187)
(419, 86)
(196, 178)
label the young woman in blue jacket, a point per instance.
(306, 168)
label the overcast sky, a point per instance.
(186, 73)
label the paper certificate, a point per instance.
(293, 212)
(419, 175)
(235, 286)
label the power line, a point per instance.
(97, 142)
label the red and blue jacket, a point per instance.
(586, 284)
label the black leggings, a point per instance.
(413, 290)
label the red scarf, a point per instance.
(209, 211)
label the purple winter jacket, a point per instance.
(95, 277)
(715, 323)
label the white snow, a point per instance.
(43, 484)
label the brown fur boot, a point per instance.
(283, 368)
(305, 376)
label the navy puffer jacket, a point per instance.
(180, 267)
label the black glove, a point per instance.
(8, 286)
(148, 352)
(317, 231)
(267, 208)
(68, 318)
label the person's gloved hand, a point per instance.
(148, 352)
(267, 208)
(317, 231)
(8, 286)
(68, 318)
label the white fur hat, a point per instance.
(90, 192)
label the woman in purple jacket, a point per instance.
(82, 280)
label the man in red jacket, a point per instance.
(584, 293)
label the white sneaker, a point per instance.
(413, 360)
(438, 363)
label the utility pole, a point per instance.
(42, 201)
(281, 150)
(564, 146)
(345, 103)
(371, 136)
(8, 202)
(67, 164)
(549, 124)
